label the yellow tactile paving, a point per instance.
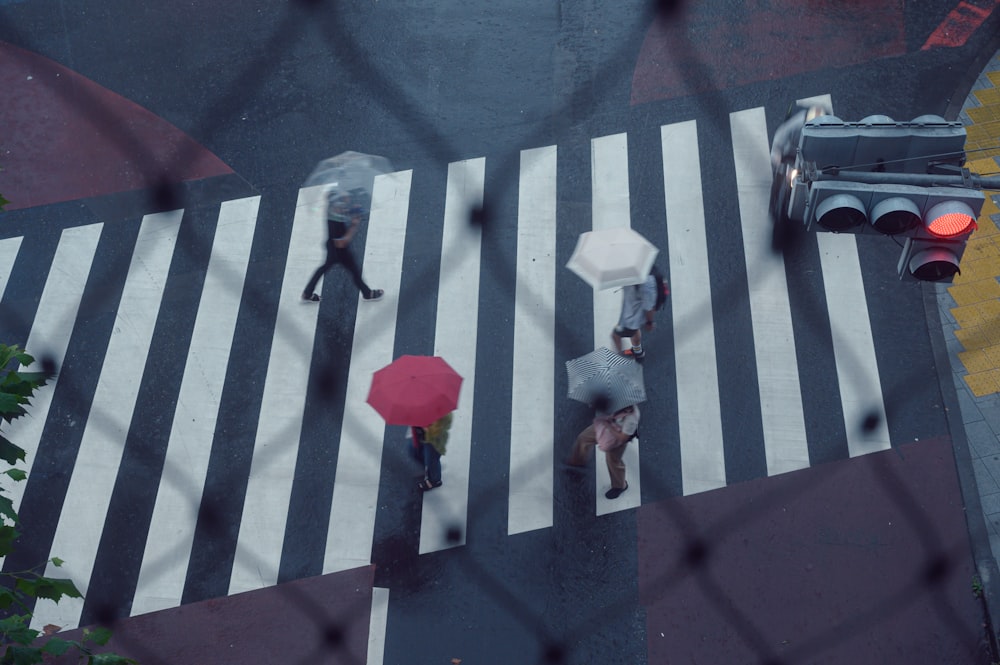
(981, 383)
(976, 290)
(988, 96)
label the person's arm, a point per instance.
(345, 240)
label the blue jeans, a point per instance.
(430, 458)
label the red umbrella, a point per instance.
(414, 390)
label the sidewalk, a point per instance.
(970, 316)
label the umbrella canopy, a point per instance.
(349, 179)
(414, 390)
(606, 375)
(612, 257)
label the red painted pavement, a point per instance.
(65, 138)
(864, 561)
(314, 621)
(695, 51)
(960, 23)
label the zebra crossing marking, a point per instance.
(699, 416)
(269, 488)
(49, 336)
(611, 206)
(351, 530)
(88, 496)
(532, 427)
(530, 501)
(8, 254)
(167, 552)
(785, 442)
(455, 336)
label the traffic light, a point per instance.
(936, 221)
(891, 178)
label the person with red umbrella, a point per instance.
(419, 389)
(428, 446)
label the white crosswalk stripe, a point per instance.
(534, 429)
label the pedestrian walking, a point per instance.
(342, 221)
(611, 433)
(429, 444)
(639, 303)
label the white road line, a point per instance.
(351, 531)
(376, 626)
(703, 465)
(279, 426)
(785, 444)
(853, 343)
(49, 336)
(175, 514)
(455, 337)
(81, 522)
(532, 386)
(610, 201)
(8, 254)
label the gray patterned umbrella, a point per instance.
(604, 374)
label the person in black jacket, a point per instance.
(342, 221)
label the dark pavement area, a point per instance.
(864, 560)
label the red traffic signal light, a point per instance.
(950, 219)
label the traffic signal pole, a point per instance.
(965, 179)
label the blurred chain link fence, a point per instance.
(697, 560)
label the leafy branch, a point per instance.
(18, 641)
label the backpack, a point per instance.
(662, 289)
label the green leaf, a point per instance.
(7, 598)
(57, 646)
(24, 655)
(15, 630)
(3, 201)
(97, 635)
(9, 452)
(56, 561)
(7, 509)
(54, 589)
(16, 474)
(7, 353)
(109, 659)
(8, 535)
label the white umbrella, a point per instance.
(612, 257)
(348, 181)
(606, 375)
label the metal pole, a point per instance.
(967, 180)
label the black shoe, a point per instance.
(615, 492)
(426, 485)
(374, 294)
(310, 297)
(639, 357)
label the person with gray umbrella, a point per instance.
(613, 386)
(343, 219)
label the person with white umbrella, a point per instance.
(638, 307)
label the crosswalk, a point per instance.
(191, 436)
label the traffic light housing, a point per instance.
(902, 179)
(935, 221)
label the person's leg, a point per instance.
(432, 461)
(636, 340)
(585, 442)
(616, 466)
(309, 293)
(345, 257)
